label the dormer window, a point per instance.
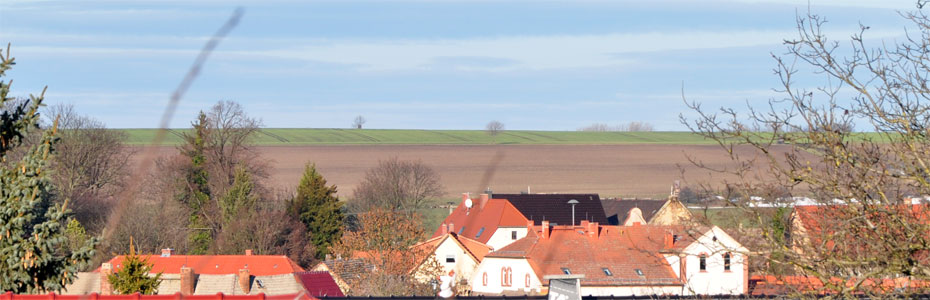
(566, 271)
(639, 272)
(608, 272)
(480, 231)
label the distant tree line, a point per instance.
(633, 126)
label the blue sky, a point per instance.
(545, 65)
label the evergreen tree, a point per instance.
(317, 206)
(240, 197)
(134, 276)
(195, 191)
(34, 252)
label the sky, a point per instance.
(532, 65)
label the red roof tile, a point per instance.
(481, 221)
(258, 265)
(319, 284)
(95, 296)
(620, 249)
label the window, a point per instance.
(607, 272)
(450, 258)
(506, 276)
(639, 272)
(566, 271)
(513, 235)
(484, 279)
(461, 230)
(703, 262)
(480, 231)
(527, 280)
(726, 262)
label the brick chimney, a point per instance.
(245, 281)
(529, 225)
(669, 240)
(584, 225)
(166, 252)
(248, 252)
(187, 281)
(445, 228)
(545, 229)
(105, 288)
(483, 201)
(592, 229)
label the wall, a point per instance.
(519, 268)
(715, 281)
(502, 237)
(464, 264)
(629, 290)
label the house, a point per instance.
(653, 212)
(246, 274)
(344, 271)
(454, 253)
(493, 222)
(617, 260)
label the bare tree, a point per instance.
(397, 185)
(493, 128)
(636, 126)
(865, 228)
(229, 144)
(597, 127)
(90, 164)
(358, 122)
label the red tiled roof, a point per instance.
(468, 222)
(760, 285)
(178, 296)
(258, 265)
(620, 249)
(319, 284)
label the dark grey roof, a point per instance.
(617, 210)
(554, 207)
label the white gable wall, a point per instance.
(503, 236)
(493, 267)
(464, 264)
(714, 280)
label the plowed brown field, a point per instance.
(611, 170)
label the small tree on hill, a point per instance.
(134, 276)
(318, 208)
(34, 252)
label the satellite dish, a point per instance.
(468, 203)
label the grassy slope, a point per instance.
(298, 136)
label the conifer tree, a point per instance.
(195, 191)
(317, 206)
(240, 197)
(34, 252)
(134, 276)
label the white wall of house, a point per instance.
(714, 279)
(463, 264)
(629, 290)
(488, 278)
(503, 236)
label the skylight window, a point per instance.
(566, 271)
(461, 230)
(480, 231)
(639, 272)
(607, 272)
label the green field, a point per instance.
(300, 136)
